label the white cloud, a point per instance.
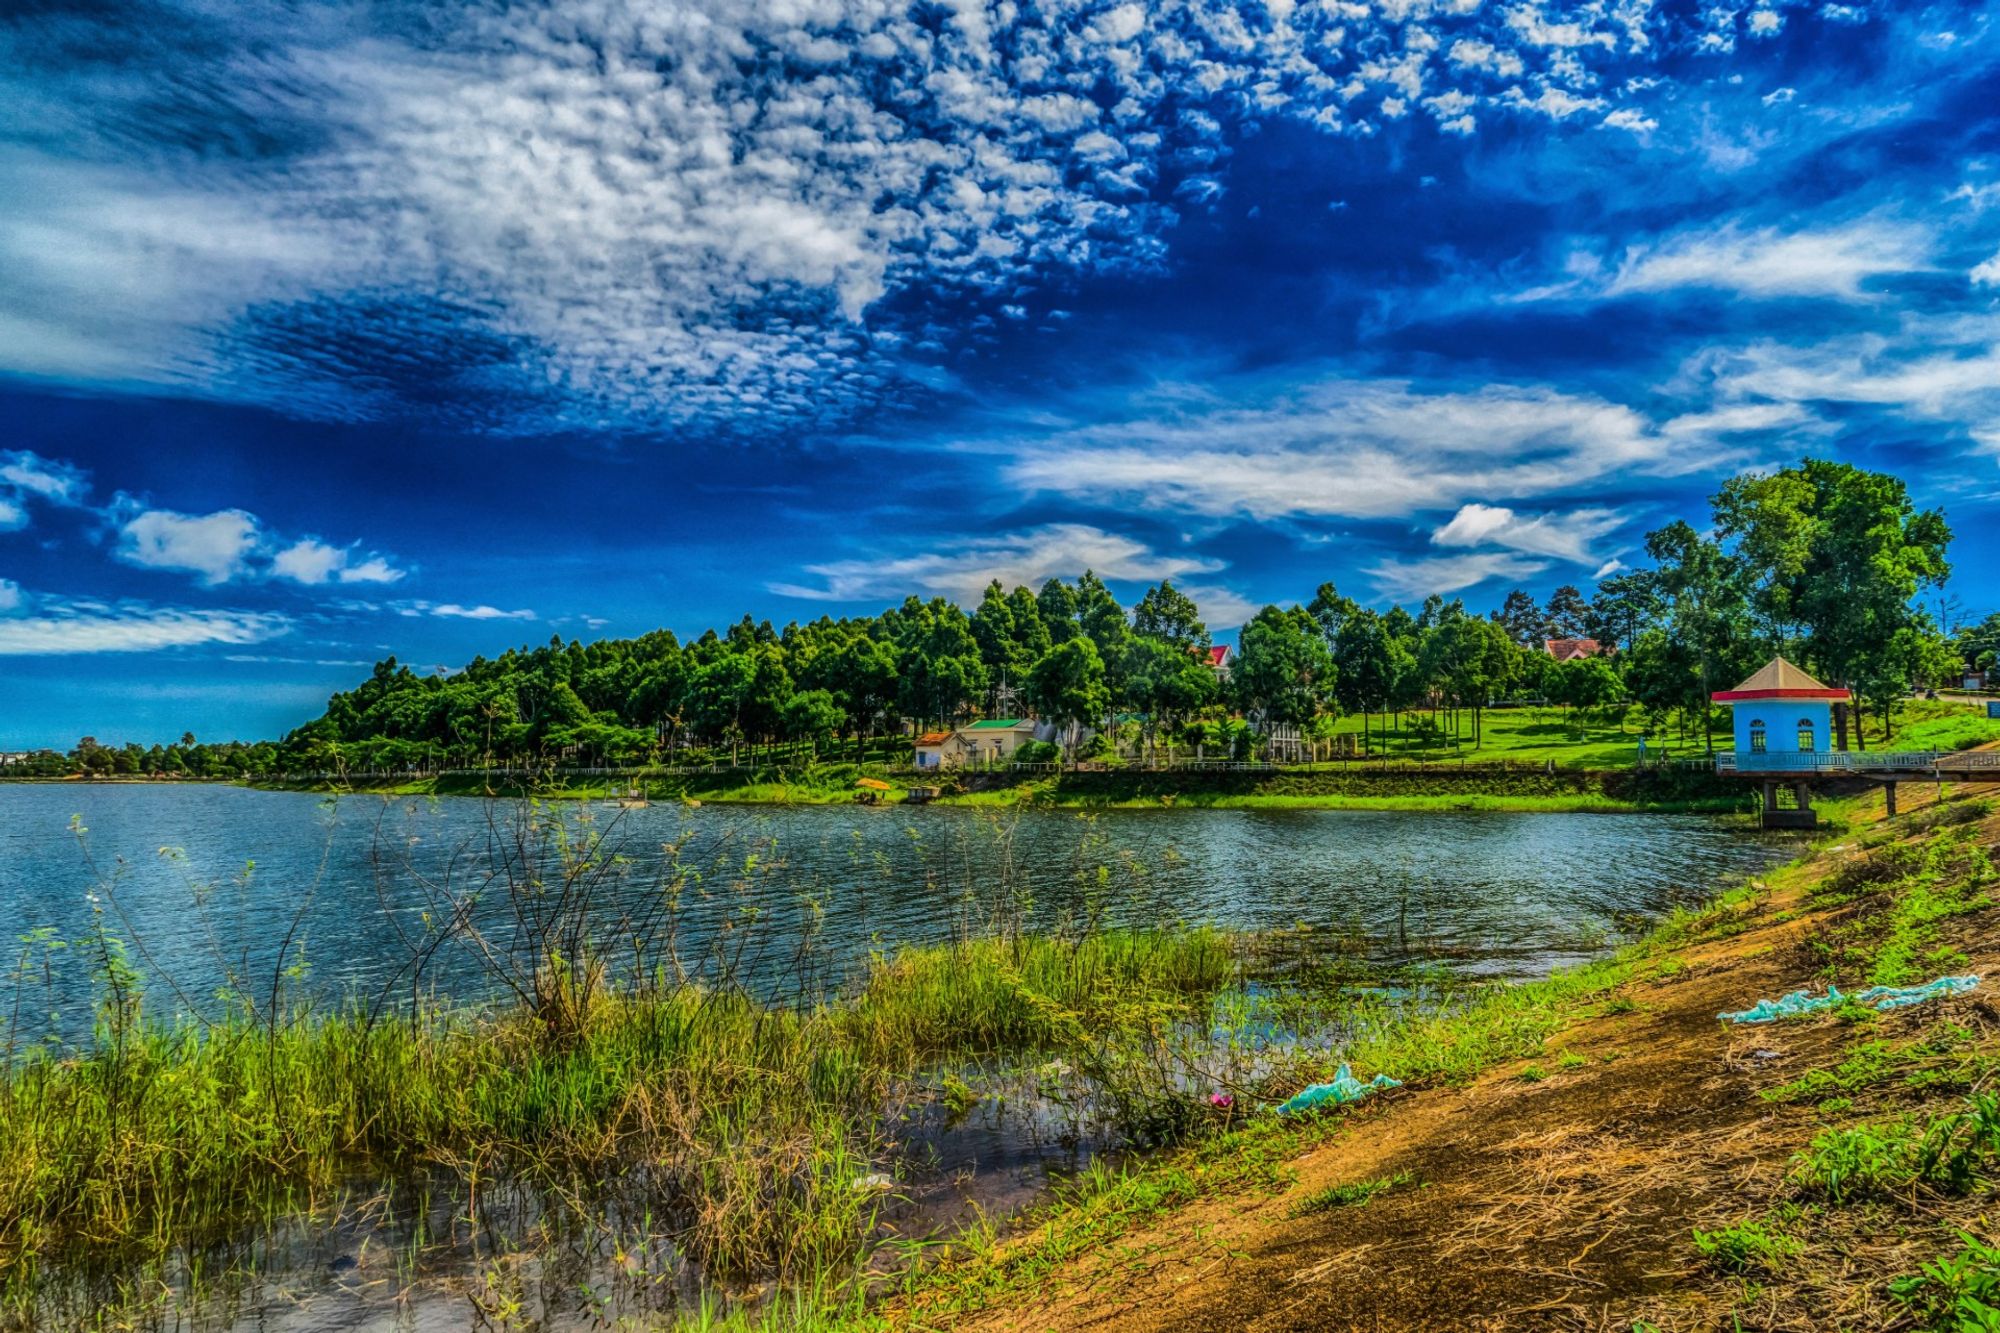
(962, 571)
(1221, 608)
(453, 611)
(1352, 448)
(216, 546)
(1563, 536)
(1986, 273)
(1412, 580)
(1636, 122)
(312, 562)
(1932, 368)
(10, 595)
(94, 627)
(26, 475)
(29, 473)
(1771, 262)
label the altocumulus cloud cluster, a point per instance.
(636, 213)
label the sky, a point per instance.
(331, 331)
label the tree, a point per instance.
(1625, 605)
(1471, 660)
(811, 716)
(1838, 556)
(1521, 618)
(1979, 645)
(1365, 662)
(1566, 615)
(939, 669)
(1283, 672)
(1704, 587)
(1166, 682)
(1166, 613)
(1057, 603)
(1585, 683)
(1068, 687)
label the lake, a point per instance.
(208, 882)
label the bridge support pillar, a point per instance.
(1801, 816)
(1889, 798)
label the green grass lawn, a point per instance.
(1536, 735)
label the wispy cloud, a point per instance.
(52, 627)
(1567, 536)
(1774, 261)
(453, 611)
(1412, 580)
(962, 569)
(1354, 448)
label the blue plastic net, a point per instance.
(1343, 1088)
(1881, 997)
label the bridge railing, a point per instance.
(1835, 761)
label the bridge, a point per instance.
(1797, 770)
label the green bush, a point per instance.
(1748, 1247)
(1959, 1293)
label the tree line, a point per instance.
(1824, 562)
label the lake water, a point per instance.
(209, 881)
(211, 884)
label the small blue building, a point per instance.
(1784, 722)
(1780, 711)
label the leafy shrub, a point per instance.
(1748, 1247)
(1959, 1293)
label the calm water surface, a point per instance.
(1496, 894)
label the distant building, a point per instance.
(1570, 650)
(991, 742)
(1217, 657)
(1975, 679)
(1780, 710)
(932, 748)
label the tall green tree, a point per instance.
(1068, 688)
(1838, 556)
(1165, 612)
(1283, 671)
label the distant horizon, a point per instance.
(342, 331)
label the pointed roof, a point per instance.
(1778, 679)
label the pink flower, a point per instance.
(1221, 1100)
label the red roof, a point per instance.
(934, 738)
(1218, 654)
(1568, 650)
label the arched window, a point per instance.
(1805, 735)
(1757, 736)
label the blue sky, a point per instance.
(330, 331)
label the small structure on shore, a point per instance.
(1781, 712)
(1783, 723)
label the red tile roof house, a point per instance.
(1217, 658)
(1569, 650)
